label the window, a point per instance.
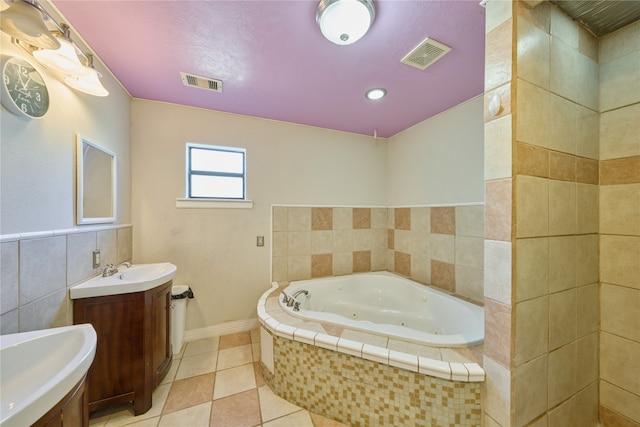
(215, 172)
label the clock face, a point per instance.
(24, 91)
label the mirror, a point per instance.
(96, 183)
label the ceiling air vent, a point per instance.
(201, 82)
(425, 54)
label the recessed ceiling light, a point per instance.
(375, 94)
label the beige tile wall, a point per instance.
(442, 246)
(39, 268)
(620, 227)
(555, 164)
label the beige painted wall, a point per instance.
(38, 155)
(440, 160)
(215, 249)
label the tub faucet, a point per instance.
(125, 264)
(292, 300)
(109, 270)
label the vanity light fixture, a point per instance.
(28, 24)
(65, 59)
(23, 20)
(345, 21)
(375, 94)
(88, 83)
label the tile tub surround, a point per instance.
(356, 376)
(37, 270)
(437, 245)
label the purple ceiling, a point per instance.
(275, 63)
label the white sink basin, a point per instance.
(137, 278)
(38, 369)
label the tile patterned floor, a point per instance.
(215, 382)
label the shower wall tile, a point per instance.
(619, 260)
(361, 261)
(533, 56)
(443, 220)
(588, 310)
(530, 390)
(564, 28)
(619, 306)
(321, 265)
(496, 392)
(9, 290)
(587, 171)
(588, 129)
(587, 260)
(573, 75)
(562, 208)
(361, 218)
(562, 374)
(379, 218)
(298, 267)
(620, 171)
(587, 358)
(299, 219)
(402, 218)
(342, 263)
(469, 251)
(532, 329)
(470, 221)
(497, 271)
(299, 243)
(498, 59)
(321, 218)
(532, 268)
(421, 219)
(342, 218)
(402, 264)
(563, 318)
(562, 263)
(497, 13)
(620, 43)
(321, 242)
(497, 148)
(619, 362)
(342, 240)
(469, 282)
(498, 210)
(280, 218)
(279, 241)
(621, 209)
(619, 130)
(587, 206)
(533, 106)
(619, 81)
(43, 267)
(532, 206)
(497, 327)
(80, 249)
(443, 248)
(443, 275)
(562, 166)
(626, 405)
(532, 160)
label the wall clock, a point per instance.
(24, 91)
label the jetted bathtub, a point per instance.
(387, 304)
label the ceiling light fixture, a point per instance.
(89, 83)
(345, 21)
(376, 93)
(23, 20)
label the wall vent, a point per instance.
(425, 54)
(201, 82)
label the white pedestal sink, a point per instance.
(136, 278)
(38, 368)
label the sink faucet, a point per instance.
(109, 270)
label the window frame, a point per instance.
(216, 148)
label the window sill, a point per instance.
(213, 204)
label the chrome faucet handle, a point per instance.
(125, 264)
(285, 298)
(296, 306)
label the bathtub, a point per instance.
(342, 365)
(387, 304)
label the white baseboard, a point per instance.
(221, 329)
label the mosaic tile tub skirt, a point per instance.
(361, 392)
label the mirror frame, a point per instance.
(81, 142)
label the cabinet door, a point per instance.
(161, 337)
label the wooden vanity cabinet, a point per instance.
(133, 352)
(71, 411)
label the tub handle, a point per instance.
(285, 298)
(296, 306)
